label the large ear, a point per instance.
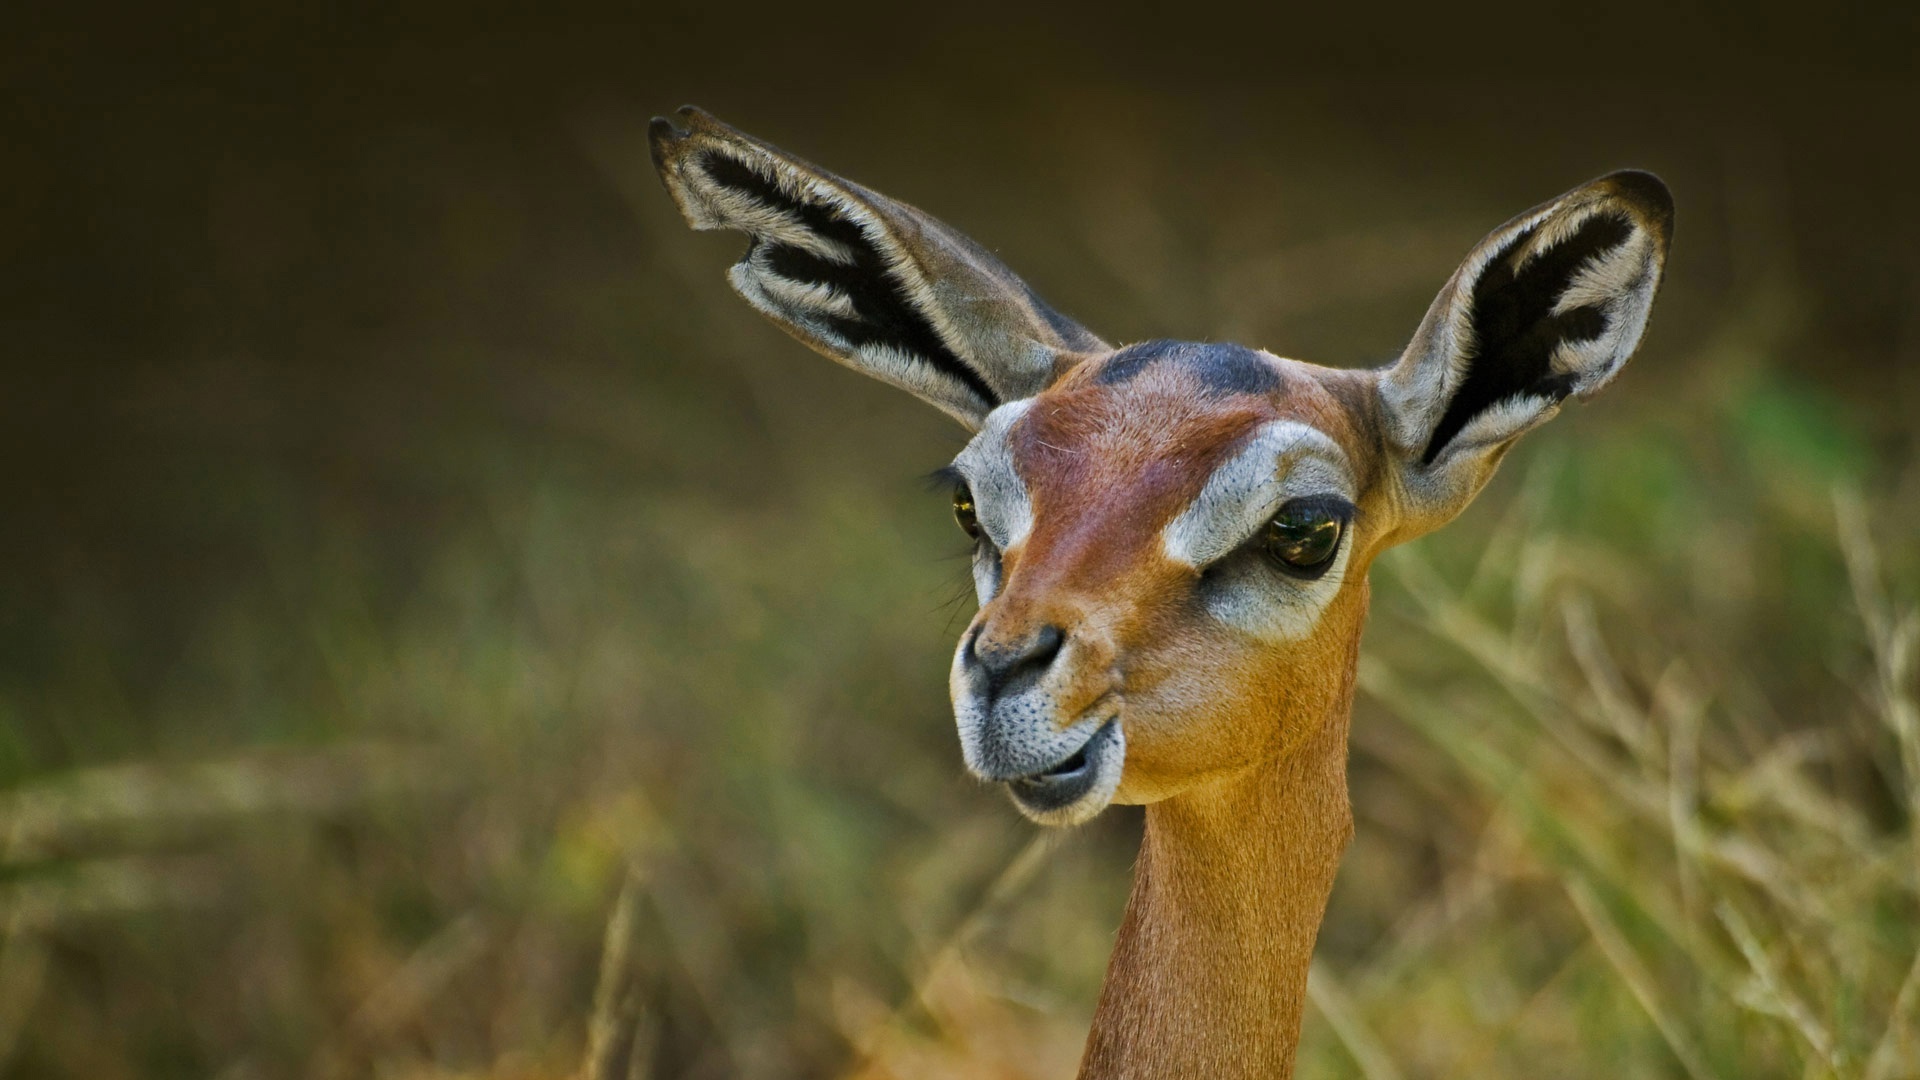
(872, 283)
(1550, 305)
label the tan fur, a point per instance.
(1209, 975)
(1240, 751)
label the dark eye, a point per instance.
(963, 511)
(1304, 535)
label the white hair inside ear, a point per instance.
(1550, 305)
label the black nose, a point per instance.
(1007, 662)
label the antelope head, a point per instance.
(1171, 538)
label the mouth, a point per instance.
(1077, 786)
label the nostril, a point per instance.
(1046, 645)
(1004, 661)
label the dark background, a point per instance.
(295, 206)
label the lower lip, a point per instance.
(1067, 769)
(1075, 772)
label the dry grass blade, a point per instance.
(1896, 1049)
(138, 801)
(1472, 1062)
(1767, 991)
(1684, 707)
(617, 1042)
(1325, 990)
(1623, 719)
(1893, 637)
(428, 972)
(943, 965)
(1621, 957)
(1585, 842)
(1454, 622)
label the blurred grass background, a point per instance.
(441, 629)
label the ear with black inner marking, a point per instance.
(1550, 305)
(867, 281)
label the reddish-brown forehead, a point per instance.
(1107, 465)
(1124, 443)
(1082, 447)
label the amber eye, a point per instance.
(963, 511)
(1304, 535)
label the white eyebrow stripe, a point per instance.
(1284, 460)
(1000, 498)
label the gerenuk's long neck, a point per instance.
(1209, 976)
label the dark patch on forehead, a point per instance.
(1222, 368)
